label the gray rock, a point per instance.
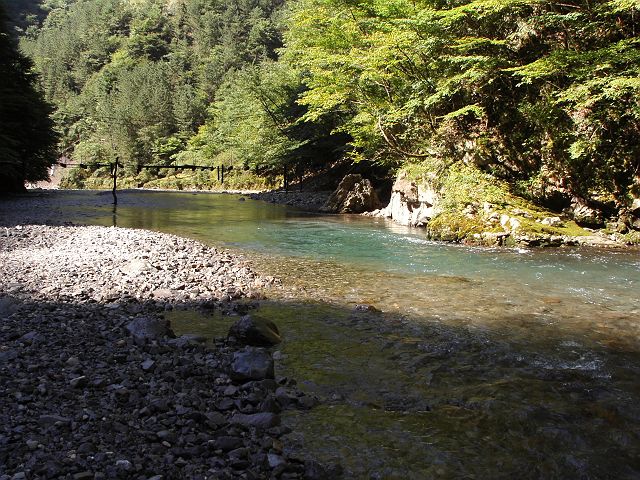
(147, 365)
(251, 364)
(410, 203)
(255, 331)
(83, 475)
(552, 221)
(162, 294)
(53, 419)
(275, 460)
(215, 419)
(124, 464)
(262, 420)
(365, 308)
(227, 443)
(136, 266)
(86, 448)
(8, 355)
(8, 306)
(149, 328)
(167, 435)
(354, 195)
(584, 215)
(186, 340)
(29, 338)
(72, 362)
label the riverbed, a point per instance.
(480, 363)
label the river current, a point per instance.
(483, 363)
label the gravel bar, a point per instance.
(93, 383)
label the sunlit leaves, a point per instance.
(550, 85)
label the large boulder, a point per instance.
(635, 207)
(354, 195)
(256, 331)
(585, 215)
(411, 204)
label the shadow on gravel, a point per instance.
(103, 391)
(413, 400)
(83, 398)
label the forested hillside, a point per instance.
(533, 91)
(174, 82)
(540, 98)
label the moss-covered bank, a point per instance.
(461, 203)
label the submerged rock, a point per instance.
(361, 307)
(256, 331)
(251, 364)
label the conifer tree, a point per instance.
(27, 139)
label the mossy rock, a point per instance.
(463, 186)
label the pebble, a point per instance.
(147, 364)
(83, 475)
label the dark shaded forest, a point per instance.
(27, 138)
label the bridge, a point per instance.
(115, 165)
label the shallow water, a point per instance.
(487, 363)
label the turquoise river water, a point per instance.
(483, 363)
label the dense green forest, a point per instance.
(540, 98)
(171, 83)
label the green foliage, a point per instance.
(255, 122)
(517, 87)
(134, 79)
(539, 94)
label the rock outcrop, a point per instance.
(411, 204)
(354, 195)
(585, 215)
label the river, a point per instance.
(483, 363)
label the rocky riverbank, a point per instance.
(93, 383)
(305, 200)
